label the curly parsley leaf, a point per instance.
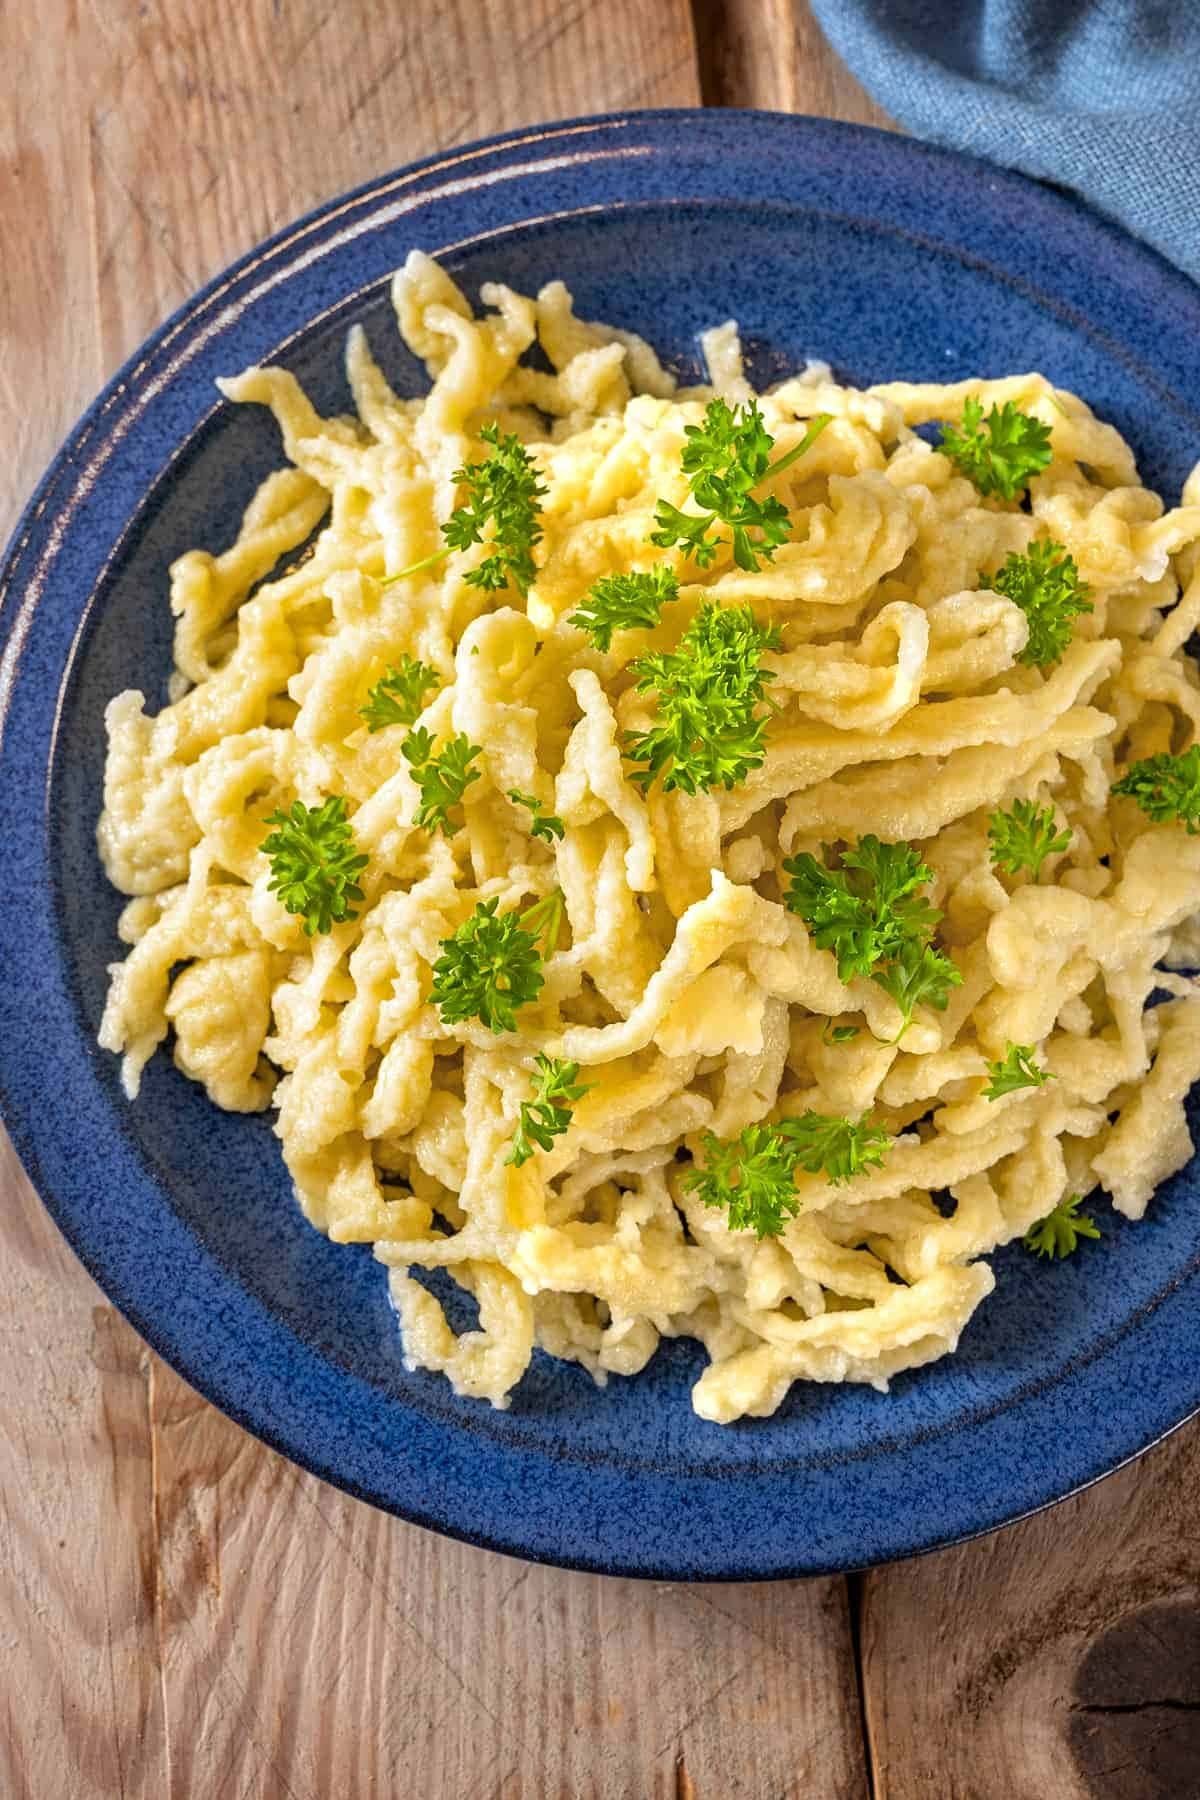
(542, 822)
(1166, 788)
(837, 1148)
(547, 1113)
(489, 968)
(443, 778)
(919, 976)
(314, 863)
(625, 603)
(1045, 584)
(726, 457)
(1016, 1069)
(998, 453)
(1025, 836)
(504, 491)
(1060, 1231)
(866, 910)
(711, 729)
(399, 695)
(753, 1176)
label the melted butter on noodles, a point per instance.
(691, 999)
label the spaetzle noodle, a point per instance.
(691, 999)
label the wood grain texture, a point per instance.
(1056, 1660)
(279, 1599)
(771, 54)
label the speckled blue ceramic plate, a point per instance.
(889, 260)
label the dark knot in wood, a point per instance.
(1135, 1717)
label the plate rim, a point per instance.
(503, 148)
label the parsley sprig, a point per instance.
(1025, 836)
(1015, 1069)
(547, 1113)
(727, 456)
(1045, 584)
(492, 965)
(710, 730)
(1166, 788)
(542, 822)
(998, 453)
(398, 697)
(919, 976)
(837, 1148)
(314, 864)
(870, 914)
(443, 777)
(753, 1176)
(1059, 1232)
(504, 491)
(625, 603)
(868, 908)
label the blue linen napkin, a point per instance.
(1101, 96)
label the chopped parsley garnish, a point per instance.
(837, 1148)
(919, 976)
(868, 908)
(314, 863)
(625, 603)
(505, 491)
(753, 1176)
(711, 725)
(443, 778)
(547, 1113)
(1016, 1069)
(492, 965)
(998, 453)
(399, 695)
(727, 456)
(1045, 584)
(542, 823)
(870, 914)
(1060, 1231)
(1166, 788)
(1025, 836)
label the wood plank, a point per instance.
(186, 1613)
(77, 1565)
(283, 1603)
(771, 54)
(1056, 1660)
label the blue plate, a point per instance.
(889, 260)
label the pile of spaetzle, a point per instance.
(681, 998)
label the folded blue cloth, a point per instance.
(1101, 96)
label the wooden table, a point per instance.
(183, 1613)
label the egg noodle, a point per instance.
(691, 998)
